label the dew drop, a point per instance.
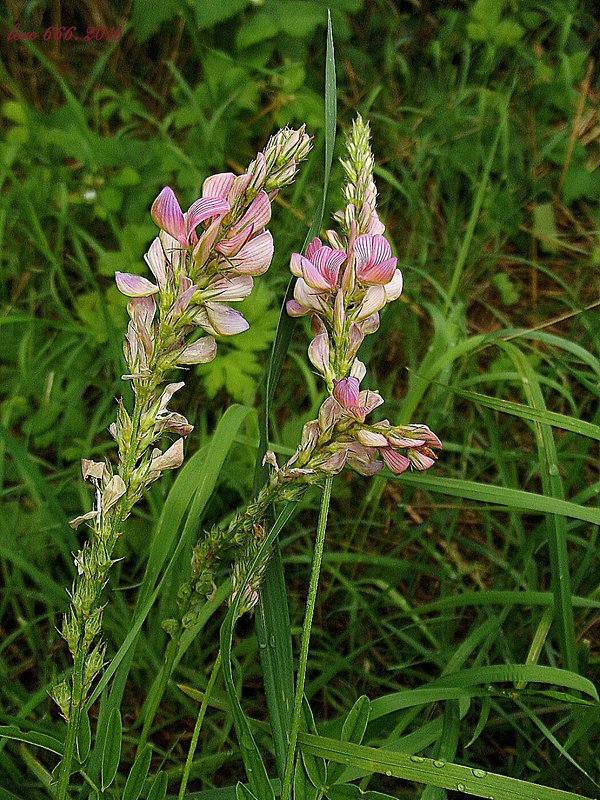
(479, 773)
(553, 469)
(460, 787)
(262, 645)
(388, 772)
(272, 641)
(417, 759)
(439, 764)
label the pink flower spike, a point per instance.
(395, 461)
(167, 214)
(199, 352)
(224, 320)
(218, 185)
(255, 256)
(134, 285)
(345, 392)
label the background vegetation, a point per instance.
(486, 131)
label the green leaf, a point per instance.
(446, 775)
(243, 793)
(353, 730)
(209, 13)
(146, 18)
(84, 737)
(255, 768)
(508, 32)
(111, 754)
(544, 227)
(501, 496)
(257, 28)
(159, 787)
(42, 740)
(137, 775)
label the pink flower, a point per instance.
(167, 214)
(374, 262)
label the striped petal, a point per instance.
(229, 289)
(201, 351)
(395, 461)
(167, 214)
(255, 256)
(204, 208)
(225, 320)
(218, 185)
(134, 285)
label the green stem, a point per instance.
(308, 618)
(198, 726)
(72, 726)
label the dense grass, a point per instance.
(463, 602)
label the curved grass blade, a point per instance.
(557, 528)
(542, 416)
(446, 775)
(502, 496)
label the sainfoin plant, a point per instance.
(203, 260)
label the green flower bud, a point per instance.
(61, 694)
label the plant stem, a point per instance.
(308, 618)
(198, 726)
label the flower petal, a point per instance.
(155, 258)
(371, 438)
(204, 208)
(218, 185)
(227, 289)
(294, 309)
(167, 214)
(345, 392)
(375, 298)
(225, 320)
(113, 491)
(201, 351)
(377, 273)
(134, 285)
(395, 461)
(318, 353)
(170, 459)
(255, 256)
(393, 289)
